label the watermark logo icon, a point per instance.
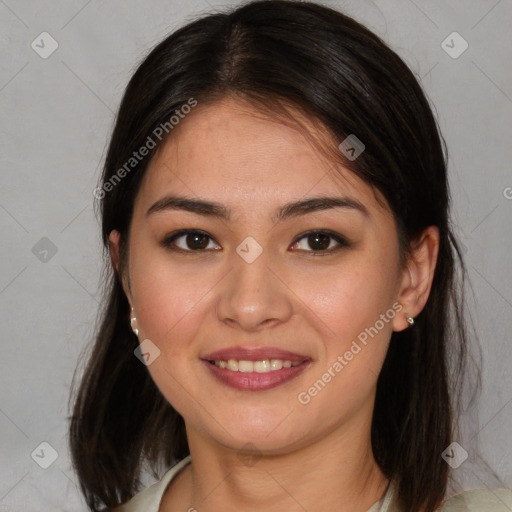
(352, 147)
(147, 352)
(45, 455)
(249, 455)
(44, 250)
(454, 455)
(249, 249)
(44, 45)
(454, 45)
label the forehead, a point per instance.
(230, 149)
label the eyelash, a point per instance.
(168, 241)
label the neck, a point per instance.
(337, 472)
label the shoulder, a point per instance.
(149, 499)
(480, 500)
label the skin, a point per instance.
(316, 456)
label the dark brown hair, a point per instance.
(337, 72)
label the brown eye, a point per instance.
(320, 241)
(190, 241)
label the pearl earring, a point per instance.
(133, 323)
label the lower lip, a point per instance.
(254, 381)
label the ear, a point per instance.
(417, 276)
(113, 240)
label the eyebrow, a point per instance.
(293, 209)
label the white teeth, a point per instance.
(262, 366)
(232, 364)
(245, 366)
(276, 364)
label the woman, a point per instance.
(282, 314)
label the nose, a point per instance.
(254, 295)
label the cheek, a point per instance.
(349, 298)
(170, 300)
(170, 304)
(347, 311)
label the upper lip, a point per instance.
(254, 354)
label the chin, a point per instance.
(271, 431)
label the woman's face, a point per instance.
(255, 283)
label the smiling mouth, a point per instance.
(261, 366)
(254, 369)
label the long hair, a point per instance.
(278, 54)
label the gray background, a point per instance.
(57, 114)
